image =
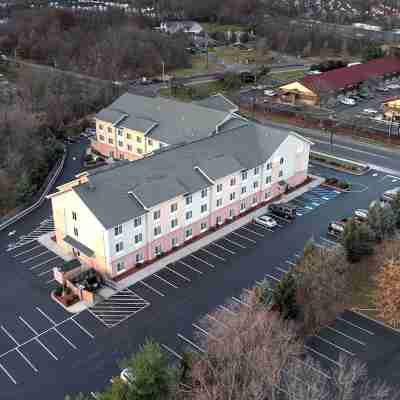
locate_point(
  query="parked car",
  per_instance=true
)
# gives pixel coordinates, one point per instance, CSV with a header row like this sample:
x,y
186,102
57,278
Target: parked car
x,y
393,86
378,117
270,93
382,89
127,376
390,195
348,101
370,111
266,221
361,213
283,210
336,228
314,72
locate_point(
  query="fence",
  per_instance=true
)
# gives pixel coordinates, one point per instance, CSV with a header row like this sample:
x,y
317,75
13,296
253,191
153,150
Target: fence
x,y
52,177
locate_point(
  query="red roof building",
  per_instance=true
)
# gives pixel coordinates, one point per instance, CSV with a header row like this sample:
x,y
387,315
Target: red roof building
x,y
347,77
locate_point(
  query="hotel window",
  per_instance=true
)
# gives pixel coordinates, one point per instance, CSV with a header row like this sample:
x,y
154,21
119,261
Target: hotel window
x,y
150,142
233,181
231,213
117,230
139,257
244,175
203,226
219,187
232,196
110,141
174,207
219,202
255,184
109,130
203,208
203,193
138,238
156,215
137,222
157,250
120,143
129,147
244,189
255,200
256,170
188,233
128,136
281,161
76,231
242,205
269,165
219,220
267,194
268,180
120,132
280,173
188,199
139,139
174,223
101,137
189,215
157,231
120,266
119,247
174,242
74,216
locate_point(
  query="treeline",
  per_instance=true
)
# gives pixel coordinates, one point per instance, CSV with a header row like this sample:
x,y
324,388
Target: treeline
x,y
110,45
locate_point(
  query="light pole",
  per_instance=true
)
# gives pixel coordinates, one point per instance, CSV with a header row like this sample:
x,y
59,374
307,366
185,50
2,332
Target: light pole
x,y
163,70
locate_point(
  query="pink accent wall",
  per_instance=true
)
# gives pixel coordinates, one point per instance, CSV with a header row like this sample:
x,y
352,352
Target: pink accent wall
x,y
104,149
297,178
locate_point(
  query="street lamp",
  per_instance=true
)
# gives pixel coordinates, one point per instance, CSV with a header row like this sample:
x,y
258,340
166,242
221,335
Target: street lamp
x,y
163,70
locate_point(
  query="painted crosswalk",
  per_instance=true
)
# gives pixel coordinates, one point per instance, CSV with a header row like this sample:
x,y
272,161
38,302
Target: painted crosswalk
x,y
118,308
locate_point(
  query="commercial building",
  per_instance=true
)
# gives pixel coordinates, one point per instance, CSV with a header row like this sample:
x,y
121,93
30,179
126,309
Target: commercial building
x,y
114,219
314,89
134,126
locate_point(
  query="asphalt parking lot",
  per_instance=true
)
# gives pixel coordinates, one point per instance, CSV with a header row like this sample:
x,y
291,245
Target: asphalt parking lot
x,y
167,305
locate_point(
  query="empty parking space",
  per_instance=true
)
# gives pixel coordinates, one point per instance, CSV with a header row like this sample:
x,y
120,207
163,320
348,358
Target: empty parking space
x,y
37,339
118,308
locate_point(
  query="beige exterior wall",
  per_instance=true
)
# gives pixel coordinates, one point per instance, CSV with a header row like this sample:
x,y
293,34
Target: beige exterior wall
x,y
124,140
298,87
90,231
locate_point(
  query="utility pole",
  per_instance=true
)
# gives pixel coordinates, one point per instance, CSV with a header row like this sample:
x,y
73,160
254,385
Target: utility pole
x,y
163,70
206,51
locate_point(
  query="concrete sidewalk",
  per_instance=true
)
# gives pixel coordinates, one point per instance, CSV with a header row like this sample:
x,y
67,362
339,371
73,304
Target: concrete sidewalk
x,y
211,237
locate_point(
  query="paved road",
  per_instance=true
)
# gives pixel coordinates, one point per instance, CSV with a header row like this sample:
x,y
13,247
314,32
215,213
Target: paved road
x,y
47,353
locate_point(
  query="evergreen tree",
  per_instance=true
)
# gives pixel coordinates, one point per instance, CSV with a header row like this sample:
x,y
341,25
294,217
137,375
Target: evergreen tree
x,y
396,209
357,240
382,221
263,293
284,296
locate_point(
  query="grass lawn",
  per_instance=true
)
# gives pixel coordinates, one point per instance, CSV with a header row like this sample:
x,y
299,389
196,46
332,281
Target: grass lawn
x,y
287,75
234,55
194,92
213,27
199,66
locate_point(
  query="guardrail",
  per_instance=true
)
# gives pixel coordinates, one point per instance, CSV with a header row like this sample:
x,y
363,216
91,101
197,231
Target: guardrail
x,y
42,197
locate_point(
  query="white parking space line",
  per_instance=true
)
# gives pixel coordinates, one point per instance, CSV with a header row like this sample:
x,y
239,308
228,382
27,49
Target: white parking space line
x,y
213,254
8,374
151,288
201,260
268,288
234,243
350,353
165,281
216,320
355,326
280,218
200,329
50,281
329,241
178,274
273,277
46,316
251,231
82,328
290,263
194,345
190,267
27,251
285,271
228,310
9,335
26,359
323,356
240,301
173,352
346,336
313,368
223,248
375,320
243,237
36,256
45,272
